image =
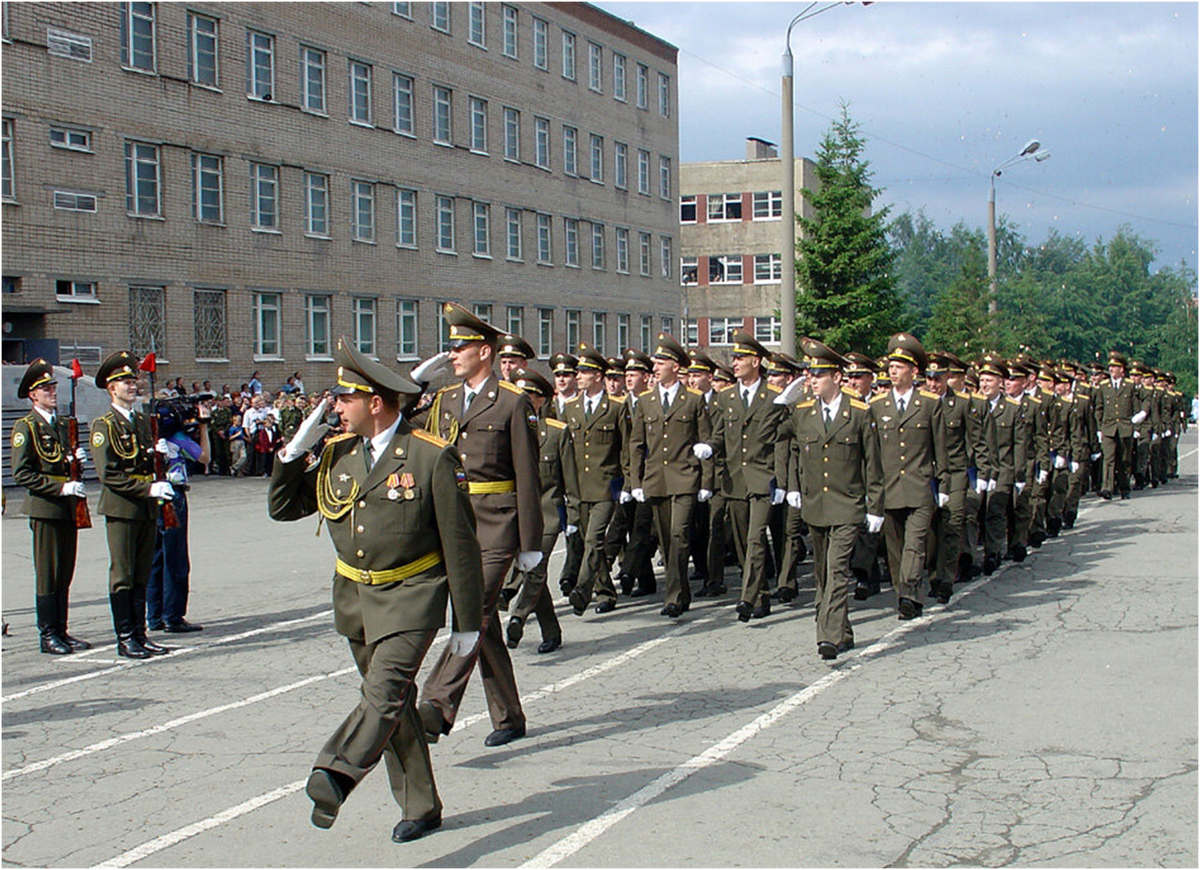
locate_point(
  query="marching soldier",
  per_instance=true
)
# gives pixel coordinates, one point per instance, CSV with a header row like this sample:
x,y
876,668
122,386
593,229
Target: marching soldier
x,y
41,461
123,450
617,535
1032,431
1004,465
1143,432
1079,391
964,381
709,518
786,524
637,567
396,501
1061,512
514,353
562,367
858,376
1053,420
1096,376
1118,409
1178,425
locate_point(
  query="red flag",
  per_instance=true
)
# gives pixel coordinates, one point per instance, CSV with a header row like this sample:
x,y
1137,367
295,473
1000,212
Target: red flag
x,y
148,364
76,370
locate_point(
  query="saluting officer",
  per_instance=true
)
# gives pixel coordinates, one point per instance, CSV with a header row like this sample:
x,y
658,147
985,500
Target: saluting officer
x,y
1118,409
400,519
123,450
41,461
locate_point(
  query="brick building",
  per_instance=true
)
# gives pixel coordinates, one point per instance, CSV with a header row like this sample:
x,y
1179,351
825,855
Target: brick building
x,y
730,240
238,184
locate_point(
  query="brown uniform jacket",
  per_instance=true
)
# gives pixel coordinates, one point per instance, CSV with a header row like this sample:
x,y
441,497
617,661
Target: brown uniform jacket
x,y
1006,451
557,470
41,461
599,445
912,448
836,472
124,457
1114,408
751,456
963,431
661,459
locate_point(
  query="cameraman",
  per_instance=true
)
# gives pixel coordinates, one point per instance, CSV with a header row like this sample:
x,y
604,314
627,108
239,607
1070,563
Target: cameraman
x,y
167,589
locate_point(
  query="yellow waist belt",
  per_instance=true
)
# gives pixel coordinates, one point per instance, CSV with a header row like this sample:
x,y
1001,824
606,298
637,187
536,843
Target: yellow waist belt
x,y
144,478
486,487
58,478
389,575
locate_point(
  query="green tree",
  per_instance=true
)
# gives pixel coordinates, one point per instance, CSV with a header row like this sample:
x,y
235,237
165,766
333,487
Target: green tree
x,y
847,294
959,319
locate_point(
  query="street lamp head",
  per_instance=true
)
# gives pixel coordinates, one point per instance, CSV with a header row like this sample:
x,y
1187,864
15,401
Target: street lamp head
x,y
1043,155
1030,146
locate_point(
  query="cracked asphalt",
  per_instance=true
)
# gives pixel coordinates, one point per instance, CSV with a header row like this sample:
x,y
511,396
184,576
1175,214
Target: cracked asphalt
x,y
1046,716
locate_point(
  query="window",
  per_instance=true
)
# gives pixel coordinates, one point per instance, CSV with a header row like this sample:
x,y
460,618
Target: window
x,y
406,218
208,315
482,310
360,92
476,25
364,324
623,250
362,217
312,79
725,269
439,16
6,158
510,31
260,65
264,196
643,172
404,10
403,88
572,329
767,330
622,333
643,86
647,332
571,239
483,231
478,125
599,328
619,77
598,246
768,205
512,217
644,254
445,224
768,269
317,340
668,324
545,251
147,320
71,139
687,209
141,179
87,354
664,95
443,329
406,328
595,67
570,151
202,49
514,318
665,257
137,36
664,177
441,115
597,173
60,43
545,331
621,165
568,55
267,325
540,39
721,329
541,129
69,200
693,331
512,134
68,290
207,188
724,207
316,204
689,271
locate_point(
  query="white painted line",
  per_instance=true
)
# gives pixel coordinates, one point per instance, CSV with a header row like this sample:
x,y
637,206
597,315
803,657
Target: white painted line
x,y
79,660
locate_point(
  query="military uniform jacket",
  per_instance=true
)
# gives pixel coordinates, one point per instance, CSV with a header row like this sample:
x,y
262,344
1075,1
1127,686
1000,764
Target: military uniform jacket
x,y
599,445
1006,449
837,472
124,457
496,441
1086,403
963,431
557,470
41,462
750,454
1033,429
660,443
375,530
912,448
1075,414
1114,408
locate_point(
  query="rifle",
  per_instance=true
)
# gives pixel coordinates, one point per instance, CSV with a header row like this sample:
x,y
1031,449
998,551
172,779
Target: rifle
x,y
169,517
83,518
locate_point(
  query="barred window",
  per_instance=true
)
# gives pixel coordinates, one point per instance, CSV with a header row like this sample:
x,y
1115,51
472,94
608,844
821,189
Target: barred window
x,y
147,320
208,312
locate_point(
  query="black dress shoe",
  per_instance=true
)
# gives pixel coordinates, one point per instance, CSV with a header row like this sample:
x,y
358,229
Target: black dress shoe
x,y
578,601
1019,553
504,735
625,582
74,642
845,646
326,794
514,632
672,610
862,590
744,610
131,649
1036,538
711,590
51,643
827,650
641,591
762,610
1124,496
153,648
909,609
990,564
944,591
1106,494
182,627
566,586
606,607
1053,526
1068,521
787,594
414,829
549,645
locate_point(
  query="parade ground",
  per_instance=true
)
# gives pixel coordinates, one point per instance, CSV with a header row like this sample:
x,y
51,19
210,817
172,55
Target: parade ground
x,y
1046,716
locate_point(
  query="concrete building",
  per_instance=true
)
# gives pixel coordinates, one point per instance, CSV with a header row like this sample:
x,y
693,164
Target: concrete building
x,y
729,230
235,185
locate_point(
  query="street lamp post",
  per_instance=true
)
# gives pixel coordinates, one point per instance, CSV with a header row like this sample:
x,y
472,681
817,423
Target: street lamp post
x,y
787,156
1030,151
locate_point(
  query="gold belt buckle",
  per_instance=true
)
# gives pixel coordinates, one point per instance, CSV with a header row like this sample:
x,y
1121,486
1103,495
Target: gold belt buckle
x,y
364,575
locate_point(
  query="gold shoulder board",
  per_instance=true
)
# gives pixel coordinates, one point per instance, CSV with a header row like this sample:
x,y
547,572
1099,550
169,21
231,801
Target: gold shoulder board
x,y
645,393
430,437
694,391
858,403
557,424
1013,401
962,395
807,404
511,387
620,399
929,395
878,398
773,388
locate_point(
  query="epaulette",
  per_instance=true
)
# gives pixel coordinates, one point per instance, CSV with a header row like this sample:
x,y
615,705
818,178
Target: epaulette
x,y
962,395
851,393
574,398
858,403
1013,401
695,392
430,437
1036,400
928,395
1066,399
979,396
808,404
557,424
774,389
620,399
645,392
511,387
878,398
340,437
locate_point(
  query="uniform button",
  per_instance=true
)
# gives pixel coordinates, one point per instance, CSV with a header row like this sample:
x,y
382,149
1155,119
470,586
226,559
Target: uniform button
x,y
901,470
360,530
465,434
826,458
825,489
464,456
901,443
827,474
362,504
361,554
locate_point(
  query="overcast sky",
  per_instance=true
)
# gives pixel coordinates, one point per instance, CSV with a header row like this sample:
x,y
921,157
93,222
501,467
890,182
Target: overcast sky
x,y
946,91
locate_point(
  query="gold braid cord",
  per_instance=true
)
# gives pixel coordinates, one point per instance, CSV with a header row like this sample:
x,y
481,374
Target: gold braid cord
x,y
51,458
331,506
433,421
115,440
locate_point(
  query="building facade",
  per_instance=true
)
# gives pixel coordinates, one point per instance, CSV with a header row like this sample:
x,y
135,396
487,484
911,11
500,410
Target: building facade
x,y
236,185
730,240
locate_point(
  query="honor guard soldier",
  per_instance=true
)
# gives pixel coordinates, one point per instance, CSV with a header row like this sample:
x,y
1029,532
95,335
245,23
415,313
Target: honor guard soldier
x,y
1054,424
514,353
1118,409
123,450
1003,468
670,463
963,381
709,518
858,376
618,527
1176,421
562,367
636,576
836,481
751,464
494,428
1096,375
395,499
787,526
41,462
910,426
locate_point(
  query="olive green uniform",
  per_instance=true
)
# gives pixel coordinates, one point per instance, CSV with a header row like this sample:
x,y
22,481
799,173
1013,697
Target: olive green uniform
x,y
1006,467
1114,409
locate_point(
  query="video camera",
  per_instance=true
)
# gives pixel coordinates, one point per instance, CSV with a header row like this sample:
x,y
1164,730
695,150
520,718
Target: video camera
x,y
181,413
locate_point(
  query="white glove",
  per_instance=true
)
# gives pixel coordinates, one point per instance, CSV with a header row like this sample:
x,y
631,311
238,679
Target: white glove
x,y
162,489
1095,456
161,446
1043,476
462,642
1074,467
639,494
570,530
981,485
176,475
73,487
1060,462
991,485
701,450
625,497
1137,434
81,454
704,495
874,524
1153,436
432,367
943,499
1018,486
1138,417
1099,437
1166,434
777,496
527,560
793,499
309,433
791,393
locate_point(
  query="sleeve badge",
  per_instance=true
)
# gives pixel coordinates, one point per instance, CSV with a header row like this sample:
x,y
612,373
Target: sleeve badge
x,y
97,438
460,477
18,439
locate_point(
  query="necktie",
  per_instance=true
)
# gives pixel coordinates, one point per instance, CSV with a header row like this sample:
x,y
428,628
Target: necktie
x,y
367,457
53,420
746,398
828,419
587,408
666,401
468,396
900,406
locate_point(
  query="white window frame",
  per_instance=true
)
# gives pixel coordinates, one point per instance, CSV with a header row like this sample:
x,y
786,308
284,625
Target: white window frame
x,y
721,330
406,214
568,55
545,332
622,333
207,166
365,310
545,239
71,139
444,226
362,222
479,144
599,255
596,161
217,351
622,250
647,330
666,257
360,74
439,16
767,205
195,51
513,244
595,67
75,200
477,25
727,267
264,187
8,188
253,53
402,104
443,96
619,64
643,86
265,302
685,201
318,306
571,151
664,176
664,95
768,269
571,242
689,266
723,203
644,254
765,324
313,88
311,206
693,331
541,139
514,319
134,158
511,28
599,330
572,318
407,329
63,43
481,213
79,291
144,12
620,165
404,10
512,134
643,171
541,43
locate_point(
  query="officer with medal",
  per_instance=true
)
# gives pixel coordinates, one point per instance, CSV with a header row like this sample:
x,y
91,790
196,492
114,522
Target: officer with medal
x,y
395,499
123,450
41,460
